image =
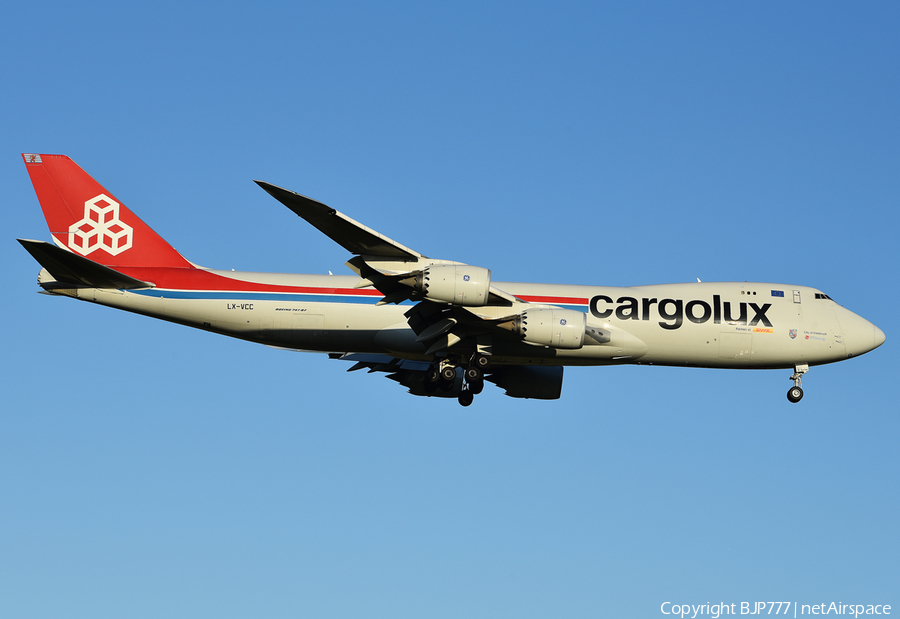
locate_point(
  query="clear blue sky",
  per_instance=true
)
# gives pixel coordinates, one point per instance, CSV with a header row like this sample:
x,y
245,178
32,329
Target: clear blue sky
x,y
148,470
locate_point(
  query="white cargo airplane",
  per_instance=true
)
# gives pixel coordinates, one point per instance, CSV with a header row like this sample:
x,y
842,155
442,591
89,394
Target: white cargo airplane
x,y
438,327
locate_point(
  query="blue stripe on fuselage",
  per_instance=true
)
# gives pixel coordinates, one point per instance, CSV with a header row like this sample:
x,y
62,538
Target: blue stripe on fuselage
x,y
292,297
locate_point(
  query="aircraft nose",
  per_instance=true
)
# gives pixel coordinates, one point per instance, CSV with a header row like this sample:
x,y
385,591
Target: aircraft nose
x,y
879,336
860,335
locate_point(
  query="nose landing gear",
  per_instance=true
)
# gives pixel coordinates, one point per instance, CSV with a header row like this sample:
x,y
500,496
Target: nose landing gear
x,y
795,393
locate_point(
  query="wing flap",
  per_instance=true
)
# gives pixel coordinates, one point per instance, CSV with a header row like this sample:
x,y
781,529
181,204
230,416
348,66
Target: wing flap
x,y
410,374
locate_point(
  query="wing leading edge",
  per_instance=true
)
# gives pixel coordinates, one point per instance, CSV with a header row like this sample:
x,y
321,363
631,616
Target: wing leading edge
x,y
346,232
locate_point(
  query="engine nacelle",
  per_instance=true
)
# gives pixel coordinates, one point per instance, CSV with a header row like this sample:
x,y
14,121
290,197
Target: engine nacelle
x,y
559,328
460,284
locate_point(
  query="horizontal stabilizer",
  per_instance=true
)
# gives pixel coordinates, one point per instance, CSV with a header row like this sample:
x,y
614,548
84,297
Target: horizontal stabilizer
x,y
70,268
349,234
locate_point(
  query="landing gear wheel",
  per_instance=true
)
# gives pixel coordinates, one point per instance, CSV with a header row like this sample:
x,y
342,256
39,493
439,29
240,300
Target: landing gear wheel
x,y
448,378
482,362
795,394
432,380
476,387
448,374
466,397
474,374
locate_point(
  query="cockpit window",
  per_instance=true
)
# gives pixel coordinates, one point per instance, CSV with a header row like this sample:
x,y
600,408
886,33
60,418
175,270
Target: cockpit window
x,y
819,295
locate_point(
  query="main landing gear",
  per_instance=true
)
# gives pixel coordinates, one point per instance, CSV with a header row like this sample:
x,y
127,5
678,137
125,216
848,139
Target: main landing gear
x,y
795,393
442,375
474,378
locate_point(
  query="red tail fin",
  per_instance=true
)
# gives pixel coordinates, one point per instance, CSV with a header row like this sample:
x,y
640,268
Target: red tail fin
x,y
87,219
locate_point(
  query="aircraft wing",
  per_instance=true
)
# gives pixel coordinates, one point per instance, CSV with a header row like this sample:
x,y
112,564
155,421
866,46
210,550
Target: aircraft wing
x,y
383,263
456,305
349,234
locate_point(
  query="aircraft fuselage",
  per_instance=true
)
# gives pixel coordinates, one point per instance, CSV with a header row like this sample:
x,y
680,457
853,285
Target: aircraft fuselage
x,y
438,327
715,324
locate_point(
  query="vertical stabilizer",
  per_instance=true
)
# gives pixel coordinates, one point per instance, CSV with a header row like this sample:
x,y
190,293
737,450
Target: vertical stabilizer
x,y
88,220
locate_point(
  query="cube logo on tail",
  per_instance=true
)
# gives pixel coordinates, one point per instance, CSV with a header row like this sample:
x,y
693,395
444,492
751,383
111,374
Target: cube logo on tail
x,y
100,228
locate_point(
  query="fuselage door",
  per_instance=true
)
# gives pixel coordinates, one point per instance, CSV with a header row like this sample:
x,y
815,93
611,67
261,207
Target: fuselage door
x,y
796,296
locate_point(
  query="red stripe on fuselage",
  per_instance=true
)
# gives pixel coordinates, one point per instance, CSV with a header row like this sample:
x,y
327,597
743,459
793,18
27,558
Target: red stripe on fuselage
x,y
553,300
198,279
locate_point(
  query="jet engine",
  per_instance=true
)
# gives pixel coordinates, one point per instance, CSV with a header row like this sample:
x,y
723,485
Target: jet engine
x,y
453,283
560,328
